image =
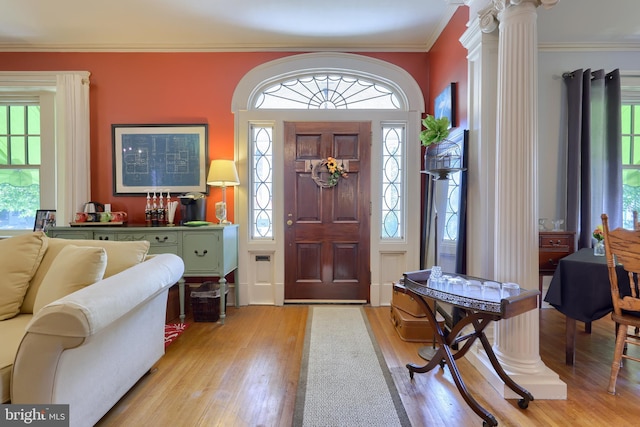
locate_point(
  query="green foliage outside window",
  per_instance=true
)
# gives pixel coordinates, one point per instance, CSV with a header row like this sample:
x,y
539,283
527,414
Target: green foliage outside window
x,y
630,162
20,152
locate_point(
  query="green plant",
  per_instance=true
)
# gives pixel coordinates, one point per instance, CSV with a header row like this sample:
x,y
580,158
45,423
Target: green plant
x,y
437,130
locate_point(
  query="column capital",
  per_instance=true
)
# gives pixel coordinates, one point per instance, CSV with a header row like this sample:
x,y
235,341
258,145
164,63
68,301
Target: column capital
x,y
489,16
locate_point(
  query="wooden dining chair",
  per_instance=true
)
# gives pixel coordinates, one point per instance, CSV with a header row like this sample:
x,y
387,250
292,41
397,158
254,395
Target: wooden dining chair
x,y
622,247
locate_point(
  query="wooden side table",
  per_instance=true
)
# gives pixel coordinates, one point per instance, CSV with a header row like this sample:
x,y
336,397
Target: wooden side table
x,y
552,246
480,308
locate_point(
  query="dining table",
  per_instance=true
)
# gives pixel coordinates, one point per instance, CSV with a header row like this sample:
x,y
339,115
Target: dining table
x,y
581,291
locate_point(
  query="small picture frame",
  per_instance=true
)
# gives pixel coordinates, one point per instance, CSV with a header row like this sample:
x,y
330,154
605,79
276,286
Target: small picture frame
x,y
45,219
445,104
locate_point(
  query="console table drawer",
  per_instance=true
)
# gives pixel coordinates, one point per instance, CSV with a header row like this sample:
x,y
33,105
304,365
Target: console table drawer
x,y
548,261
159,238
562,242
70,234
552,246
104,236
201,254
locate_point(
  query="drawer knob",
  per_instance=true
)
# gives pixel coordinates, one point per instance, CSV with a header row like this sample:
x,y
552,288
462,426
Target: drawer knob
x,y
555,264
200,254
159,240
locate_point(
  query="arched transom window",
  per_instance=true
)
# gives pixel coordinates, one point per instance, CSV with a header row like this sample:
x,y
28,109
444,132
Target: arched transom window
x,y
327,91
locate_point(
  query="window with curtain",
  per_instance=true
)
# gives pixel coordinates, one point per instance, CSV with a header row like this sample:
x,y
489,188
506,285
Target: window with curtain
x,y
62,99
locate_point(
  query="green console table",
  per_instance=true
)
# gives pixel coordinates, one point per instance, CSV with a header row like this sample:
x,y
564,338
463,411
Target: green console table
x,y
207,251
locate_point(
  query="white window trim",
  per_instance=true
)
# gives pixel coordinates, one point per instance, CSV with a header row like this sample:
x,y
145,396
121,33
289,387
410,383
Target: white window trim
x,y
69,90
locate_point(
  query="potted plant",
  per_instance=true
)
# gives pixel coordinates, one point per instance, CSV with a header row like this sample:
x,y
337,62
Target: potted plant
x,y
441,156
436,130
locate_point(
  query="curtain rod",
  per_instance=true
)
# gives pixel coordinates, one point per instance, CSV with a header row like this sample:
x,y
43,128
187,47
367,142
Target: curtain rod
x,y
568,74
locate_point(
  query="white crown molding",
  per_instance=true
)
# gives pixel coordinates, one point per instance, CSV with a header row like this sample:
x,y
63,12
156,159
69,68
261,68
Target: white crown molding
x,y
221,48
589,47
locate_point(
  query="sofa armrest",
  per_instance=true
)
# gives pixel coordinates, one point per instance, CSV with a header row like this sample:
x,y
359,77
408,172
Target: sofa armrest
x,y
87,311
113,328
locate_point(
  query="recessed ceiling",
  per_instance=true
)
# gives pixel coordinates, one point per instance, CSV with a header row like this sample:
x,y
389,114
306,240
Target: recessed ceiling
x,y
236,25
290,25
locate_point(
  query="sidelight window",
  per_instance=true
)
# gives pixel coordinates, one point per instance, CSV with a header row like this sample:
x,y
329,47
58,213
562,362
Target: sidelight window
x,y
262,181
393,137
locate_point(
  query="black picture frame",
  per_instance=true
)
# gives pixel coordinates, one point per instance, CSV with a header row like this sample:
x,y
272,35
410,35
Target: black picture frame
x,y
445,104
45,219
159,157
429,252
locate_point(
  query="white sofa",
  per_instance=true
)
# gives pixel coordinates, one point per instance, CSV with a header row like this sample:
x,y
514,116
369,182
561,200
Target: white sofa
x,y
88,348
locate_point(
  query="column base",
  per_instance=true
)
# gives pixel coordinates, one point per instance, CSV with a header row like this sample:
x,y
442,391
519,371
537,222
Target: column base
x,y
544,385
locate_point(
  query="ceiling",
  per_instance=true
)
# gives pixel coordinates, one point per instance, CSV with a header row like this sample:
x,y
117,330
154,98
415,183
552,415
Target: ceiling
x,y
282,25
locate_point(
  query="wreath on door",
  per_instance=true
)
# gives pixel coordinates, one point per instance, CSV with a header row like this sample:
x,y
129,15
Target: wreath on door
x,y
327,172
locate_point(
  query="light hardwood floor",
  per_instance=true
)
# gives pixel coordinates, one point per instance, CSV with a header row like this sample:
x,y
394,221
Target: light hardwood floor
x,y
245,373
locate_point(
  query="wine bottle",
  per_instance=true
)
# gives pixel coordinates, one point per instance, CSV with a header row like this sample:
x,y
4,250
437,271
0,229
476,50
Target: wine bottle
x,y
147,210
154,210
161,211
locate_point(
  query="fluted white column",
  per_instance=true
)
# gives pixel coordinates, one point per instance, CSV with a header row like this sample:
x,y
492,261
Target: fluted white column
x,y
516,258
516,207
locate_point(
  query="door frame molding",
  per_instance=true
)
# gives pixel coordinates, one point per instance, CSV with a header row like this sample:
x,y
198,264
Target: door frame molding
x,y
260,278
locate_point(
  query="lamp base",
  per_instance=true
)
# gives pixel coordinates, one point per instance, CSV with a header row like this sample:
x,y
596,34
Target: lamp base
x,y
221,211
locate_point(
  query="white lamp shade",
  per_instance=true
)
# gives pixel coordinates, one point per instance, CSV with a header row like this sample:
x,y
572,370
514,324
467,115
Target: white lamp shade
x,y
222,173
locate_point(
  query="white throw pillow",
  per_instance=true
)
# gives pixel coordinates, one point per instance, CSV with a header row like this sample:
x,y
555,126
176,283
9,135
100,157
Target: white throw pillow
x,y
120,256
20,257
74,268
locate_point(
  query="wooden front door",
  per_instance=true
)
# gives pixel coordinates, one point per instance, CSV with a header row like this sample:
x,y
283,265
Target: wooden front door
x,y
327,229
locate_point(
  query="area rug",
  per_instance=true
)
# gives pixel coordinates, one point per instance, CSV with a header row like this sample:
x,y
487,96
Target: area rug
x,y
172,332
344,380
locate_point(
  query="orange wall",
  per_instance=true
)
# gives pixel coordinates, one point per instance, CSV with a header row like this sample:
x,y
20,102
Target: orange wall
x,y
448,64
145,88
448,59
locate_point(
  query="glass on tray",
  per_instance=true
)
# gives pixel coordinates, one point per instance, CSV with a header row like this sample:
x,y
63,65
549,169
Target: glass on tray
x,y
488,290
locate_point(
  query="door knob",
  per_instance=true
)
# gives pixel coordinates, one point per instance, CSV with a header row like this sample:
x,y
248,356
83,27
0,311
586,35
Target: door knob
x,y
289,222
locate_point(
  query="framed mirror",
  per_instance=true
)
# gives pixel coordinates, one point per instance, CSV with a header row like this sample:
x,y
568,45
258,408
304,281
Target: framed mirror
x,y
444,214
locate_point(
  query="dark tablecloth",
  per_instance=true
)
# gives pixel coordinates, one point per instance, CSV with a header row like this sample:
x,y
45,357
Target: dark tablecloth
x,y
580,286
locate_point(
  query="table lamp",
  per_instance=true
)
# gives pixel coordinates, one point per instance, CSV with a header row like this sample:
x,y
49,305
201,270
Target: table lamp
x,y
222,173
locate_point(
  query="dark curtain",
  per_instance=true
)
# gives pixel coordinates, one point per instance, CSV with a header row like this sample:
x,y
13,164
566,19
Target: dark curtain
x,y
594,152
